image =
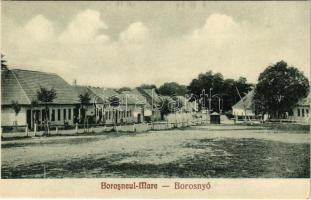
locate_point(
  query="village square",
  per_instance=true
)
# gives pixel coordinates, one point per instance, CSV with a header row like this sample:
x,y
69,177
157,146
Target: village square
x,y
79,102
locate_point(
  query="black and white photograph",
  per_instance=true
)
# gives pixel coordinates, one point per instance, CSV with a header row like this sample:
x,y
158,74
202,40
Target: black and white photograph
x,y
135,89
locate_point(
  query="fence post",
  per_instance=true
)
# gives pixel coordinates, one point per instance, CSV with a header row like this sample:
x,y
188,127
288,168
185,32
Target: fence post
x,y
76,127
26,130
56,130
134,129
35,128
44,171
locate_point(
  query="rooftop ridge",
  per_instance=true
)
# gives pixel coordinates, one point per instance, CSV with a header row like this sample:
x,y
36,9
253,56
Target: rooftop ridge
x,y
16,69
20,85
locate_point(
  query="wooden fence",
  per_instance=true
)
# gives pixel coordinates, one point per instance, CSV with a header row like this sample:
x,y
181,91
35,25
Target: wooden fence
x,y
95,128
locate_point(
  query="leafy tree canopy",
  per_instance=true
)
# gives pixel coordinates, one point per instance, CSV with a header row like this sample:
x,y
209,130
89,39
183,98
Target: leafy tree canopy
x,y
114,101
85,98
279,88
148,86
172,89
223,88
122,89
3,62
45,95
16,107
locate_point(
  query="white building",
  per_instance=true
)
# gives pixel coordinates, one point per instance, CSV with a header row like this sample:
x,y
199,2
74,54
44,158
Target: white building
x,y
21,86
300,112
245,106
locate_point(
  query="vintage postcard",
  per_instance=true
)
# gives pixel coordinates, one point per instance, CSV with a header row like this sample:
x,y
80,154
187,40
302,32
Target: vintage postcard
x,y
168,99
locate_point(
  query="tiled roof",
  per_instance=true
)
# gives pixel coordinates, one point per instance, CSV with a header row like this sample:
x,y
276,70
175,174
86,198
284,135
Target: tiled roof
x,y
246,101
31,81
134,98
106,93
84,89
11,90
148,94
103,92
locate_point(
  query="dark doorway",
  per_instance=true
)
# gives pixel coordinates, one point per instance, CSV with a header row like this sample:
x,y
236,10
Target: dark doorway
x,y
28,119
116,116
138,118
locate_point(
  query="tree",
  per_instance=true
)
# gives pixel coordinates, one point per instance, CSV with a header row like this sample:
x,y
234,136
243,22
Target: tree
x,y
122,89
17,108
46,96
278,89
178,103
230,95
215,87
172,89
148,86
4,65
84,101
165,108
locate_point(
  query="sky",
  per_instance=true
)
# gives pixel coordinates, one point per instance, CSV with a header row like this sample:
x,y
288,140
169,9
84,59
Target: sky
x,y
116,44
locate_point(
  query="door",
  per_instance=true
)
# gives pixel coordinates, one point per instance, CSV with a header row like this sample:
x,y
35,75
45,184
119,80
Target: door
x,y
116,116
28,119
138,118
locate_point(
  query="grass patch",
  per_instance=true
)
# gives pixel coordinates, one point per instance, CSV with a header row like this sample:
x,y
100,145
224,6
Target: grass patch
x,y
228,158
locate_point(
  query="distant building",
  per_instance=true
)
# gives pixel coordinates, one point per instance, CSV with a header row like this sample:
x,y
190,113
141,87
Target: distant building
x,y
22,86
100,110
186,105
153,99
299,113
244,107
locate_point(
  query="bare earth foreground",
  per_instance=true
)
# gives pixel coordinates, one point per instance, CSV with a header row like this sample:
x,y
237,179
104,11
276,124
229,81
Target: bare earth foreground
x,y
202,151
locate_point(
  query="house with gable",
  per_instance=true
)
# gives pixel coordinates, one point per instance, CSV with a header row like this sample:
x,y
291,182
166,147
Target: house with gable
x,y
299,113
153,99
21,86
244,107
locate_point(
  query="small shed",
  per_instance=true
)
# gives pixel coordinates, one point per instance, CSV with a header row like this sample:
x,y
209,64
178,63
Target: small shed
x,y
215,118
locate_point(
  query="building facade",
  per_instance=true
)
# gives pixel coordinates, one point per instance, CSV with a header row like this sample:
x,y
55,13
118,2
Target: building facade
x,y
21,86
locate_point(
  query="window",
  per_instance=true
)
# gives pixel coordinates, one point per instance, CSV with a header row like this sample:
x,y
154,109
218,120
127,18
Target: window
x,y
298,112
58,114
303,112
307,112
69,113
65,114
43,115
53,115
